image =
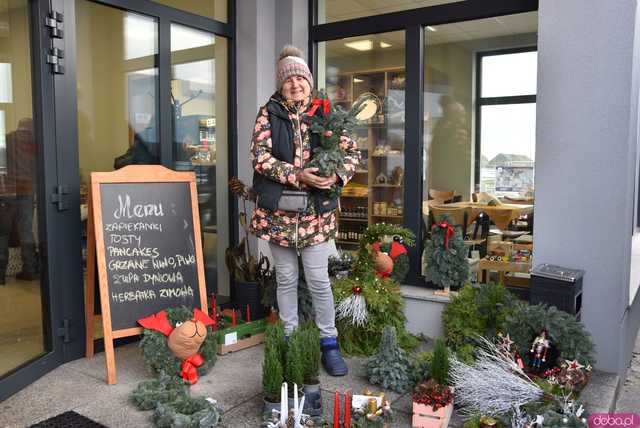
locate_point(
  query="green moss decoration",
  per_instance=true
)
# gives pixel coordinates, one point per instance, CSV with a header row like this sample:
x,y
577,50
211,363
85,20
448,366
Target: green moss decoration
x,y
150,393
569,336
446,262
157,355
440,363
272,370
188,412
390,367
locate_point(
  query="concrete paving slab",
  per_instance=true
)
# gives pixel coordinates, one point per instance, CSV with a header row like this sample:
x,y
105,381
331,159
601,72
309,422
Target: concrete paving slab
x,y
58,391
234,378
130,367
113,409
245,415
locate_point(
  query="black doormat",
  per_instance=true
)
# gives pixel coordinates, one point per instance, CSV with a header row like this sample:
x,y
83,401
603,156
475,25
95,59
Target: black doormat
x,y
68,420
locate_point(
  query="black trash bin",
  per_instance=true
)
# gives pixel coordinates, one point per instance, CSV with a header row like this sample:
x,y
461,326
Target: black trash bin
x,y
557,286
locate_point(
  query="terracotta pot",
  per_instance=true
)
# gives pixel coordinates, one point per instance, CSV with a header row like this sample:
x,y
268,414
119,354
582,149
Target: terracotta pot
x,y
425,417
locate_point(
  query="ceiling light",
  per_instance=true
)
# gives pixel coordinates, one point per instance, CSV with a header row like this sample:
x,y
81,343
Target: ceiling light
x,y
356,80
385,45
360,45
430,28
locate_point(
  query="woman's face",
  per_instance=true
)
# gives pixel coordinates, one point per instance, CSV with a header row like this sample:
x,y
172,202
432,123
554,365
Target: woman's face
x,y
296,88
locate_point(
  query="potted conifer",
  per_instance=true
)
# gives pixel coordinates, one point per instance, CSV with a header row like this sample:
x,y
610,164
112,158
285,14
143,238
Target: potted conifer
x,y
433,398
272,370
311,361
294,364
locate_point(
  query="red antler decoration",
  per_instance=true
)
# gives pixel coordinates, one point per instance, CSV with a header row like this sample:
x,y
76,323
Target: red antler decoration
x,y
205,319
158,322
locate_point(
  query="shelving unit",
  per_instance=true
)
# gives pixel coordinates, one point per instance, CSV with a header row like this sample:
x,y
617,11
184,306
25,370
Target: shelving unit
x,y
381,141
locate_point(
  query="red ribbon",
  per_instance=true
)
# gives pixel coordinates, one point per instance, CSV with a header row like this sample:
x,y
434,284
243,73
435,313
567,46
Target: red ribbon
x,y
316,103
188,369
449,231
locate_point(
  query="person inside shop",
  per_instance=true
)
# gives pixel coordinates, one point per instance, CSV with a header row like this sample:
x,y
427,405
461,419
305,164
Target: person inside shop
x,y
17,191
303,220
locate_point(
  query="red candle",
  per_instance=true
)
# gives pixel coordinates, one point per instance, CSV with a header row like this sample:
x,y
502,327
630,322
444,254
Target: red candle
x,y
336,411
233,318
347,410
214,311
248,314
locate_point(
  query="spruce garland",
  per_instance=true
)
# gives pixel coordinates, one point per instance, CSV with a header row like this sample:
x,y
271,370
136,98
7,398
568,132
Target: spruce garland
x,y
150,393
390,368
158,356
188,412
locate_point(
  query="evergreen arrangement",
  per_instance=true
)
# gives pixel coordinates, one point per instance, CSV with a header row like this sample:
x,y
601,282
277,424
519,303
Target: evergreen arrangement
x,y
334,123
294,366
150,393
188,412
440,363
311,352
272,371
446,256
384,304
157,355
567,334
390,368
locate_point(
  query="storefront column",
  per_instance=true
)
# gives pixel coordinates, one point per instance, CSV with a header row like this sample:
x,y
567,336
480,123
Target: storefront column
x,y
586,160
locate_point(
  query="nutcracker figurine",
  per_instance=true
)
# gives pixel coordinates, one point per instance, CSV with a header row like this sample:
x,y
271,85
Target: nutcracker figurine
x,y
539,349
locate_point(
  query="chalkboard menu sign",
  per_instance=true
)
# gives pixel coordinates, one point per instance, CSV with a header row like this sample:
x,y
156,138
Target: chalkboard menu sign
x,y
144,231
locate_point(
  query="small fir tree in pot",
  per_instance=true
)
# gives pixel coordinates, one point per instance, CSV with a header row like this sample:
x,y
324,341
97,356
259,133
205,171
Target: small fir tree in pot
x,y
440,363
272,370
446,256
311,360
294,366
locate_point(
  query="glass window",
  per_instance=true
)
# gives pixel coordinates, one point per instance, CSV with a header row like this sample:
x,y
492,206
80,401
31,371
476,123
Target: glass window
x,y
199,96
479,142
213,9
509,74
347,69
23,336
341,10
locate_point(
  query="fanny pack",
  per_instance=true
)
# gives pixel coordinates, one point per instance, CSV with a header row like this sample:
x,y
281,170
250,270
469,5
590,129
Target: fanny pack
x,y
293,201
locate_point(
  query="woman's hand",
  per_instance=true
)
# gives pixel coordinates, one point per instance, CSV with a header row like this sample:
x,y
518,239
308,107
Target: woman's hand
x,y
308,177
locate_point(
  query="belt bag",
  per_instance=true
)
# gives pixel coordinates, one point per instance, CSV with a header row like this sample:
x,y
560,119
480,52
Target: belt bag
x,y
293,201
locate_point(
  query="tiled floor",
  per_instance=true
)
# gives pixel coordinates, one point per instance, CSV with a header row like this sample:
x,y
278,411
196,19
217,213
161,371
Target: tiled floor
x,y
235,381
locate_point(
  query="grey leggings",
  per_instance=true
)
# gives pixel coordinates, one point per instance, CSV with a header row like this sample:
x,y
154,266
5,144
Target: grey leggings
x,y
315,262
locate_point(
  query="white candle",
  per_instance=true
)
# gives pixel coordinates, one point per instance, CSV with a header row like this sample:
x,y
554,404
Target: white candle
x,y
299,414
283,403
295,398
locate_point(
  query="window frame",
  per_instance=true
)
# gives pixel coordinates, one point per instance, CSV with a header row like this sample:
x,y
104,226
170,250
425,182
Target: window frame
x,y
481,101
413,22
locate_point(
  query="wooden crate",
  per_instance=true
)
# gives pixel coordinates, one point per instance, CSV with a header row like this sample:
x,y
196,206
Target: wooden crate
x,y
425,417
248,333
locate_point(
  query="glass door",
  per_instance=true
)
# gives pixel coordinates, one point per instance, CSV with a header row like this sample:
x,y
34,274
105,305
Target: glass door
x,y
37,331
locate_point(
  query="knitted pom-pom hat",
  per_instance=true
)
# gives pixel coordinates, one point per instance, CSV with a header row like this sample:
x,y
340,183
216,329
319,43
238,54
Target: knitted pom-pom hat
x,y
291,63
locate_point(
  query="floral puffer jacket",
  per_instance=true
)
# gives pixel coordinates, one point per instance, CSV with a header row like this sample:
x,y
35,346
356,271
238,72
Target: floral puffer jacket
x,y
285,228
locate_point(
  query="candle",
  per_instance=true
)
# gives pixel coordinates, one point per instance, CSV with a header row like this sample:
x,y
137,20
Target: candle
x,y
336,411
233,318
295,398
347,410
283,403
248,314
214,311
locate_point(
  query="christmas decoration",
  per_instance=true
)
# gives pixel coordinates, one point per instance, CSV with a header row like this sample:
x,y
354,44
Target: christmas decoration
x,y
524,322
372,414
390,368
381,297
332,126
446,256
150,393
190,349
188,412
391,259
494,385
475,311
539,350
432,394
353,308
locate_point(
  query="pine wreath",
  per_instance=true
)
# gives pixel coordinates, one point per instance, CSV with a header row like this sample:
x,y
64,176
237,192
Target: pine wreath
x,y
568,335
188,412
159,358
150,393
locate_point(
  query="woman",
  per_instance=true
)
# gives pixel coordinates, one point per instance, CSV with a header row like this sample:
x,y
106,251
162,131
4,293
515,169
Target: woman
x,y
281,146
